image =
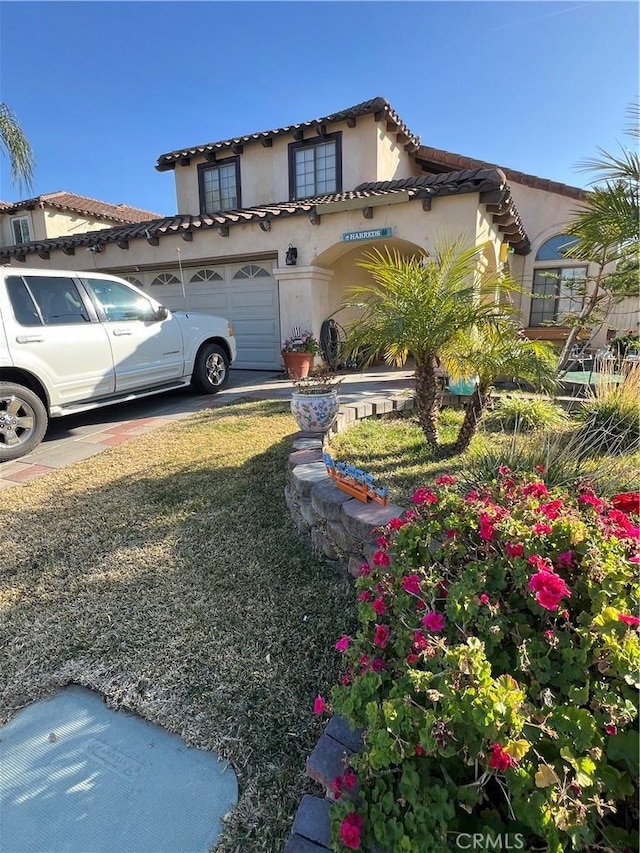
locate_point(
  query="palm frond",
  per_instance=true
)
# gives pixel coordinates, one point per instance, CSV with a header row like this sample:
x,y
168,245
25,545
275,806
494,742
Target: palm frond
x,y
15,144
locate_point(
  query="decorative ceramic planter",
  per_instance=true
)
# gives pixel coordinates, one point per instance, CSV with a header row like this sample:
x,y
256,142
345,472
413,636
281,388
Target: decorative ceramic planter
x,y
462,387
297,364
315,412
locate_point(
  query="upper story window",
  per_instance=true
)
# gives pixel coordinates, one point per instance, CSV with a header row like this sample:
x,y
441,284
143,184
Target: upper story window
x,y
558,283
219,185
315,166
20,227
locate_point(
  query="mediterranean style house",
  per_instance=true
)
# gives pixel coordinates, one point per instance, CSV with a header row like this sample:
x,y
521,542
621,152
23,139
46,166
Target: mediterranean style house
x,y
61,214
270,227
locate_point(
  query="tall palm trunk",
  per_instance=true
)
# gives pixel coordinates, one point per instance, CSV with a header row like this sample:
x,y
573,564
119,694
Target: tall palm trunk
x,y
472,415
426,400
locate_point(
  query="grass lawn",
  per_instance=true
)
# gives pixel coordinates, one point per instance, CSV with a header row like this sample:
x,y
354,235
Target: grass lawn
x,y
167,574
394,450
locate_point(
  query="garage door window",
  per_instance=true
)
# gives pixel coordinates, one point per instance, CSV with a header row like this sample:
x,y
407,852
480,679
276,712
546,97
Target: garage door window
x,y
252,271
206,275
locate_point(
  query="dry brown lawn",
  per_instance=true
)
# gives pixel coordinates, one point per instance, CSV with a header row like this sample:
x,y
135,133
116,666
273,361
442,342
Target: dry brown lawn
x,y
166,574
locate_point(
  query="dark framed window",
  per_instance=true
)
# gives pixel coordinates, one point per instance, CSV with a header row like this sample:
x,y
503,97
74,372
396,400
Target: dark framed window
x,y
219,185
54,301
558,286
315,166
20,225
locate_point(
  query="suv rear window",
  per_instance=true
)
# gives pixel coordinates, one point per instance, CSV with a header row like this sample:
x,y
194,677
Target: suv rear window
x,y
54,300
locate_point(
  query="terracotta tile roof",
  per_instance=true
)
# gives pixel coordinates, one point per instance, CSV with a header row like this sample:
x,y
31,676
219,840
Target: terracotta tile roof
x,y
435,159
490,182
376,106
81,204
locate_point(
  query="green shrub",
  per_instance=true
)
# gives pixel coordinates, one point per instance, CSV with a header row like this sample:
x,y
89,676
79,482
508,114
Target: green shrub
x,y
611,414
495,674
527,413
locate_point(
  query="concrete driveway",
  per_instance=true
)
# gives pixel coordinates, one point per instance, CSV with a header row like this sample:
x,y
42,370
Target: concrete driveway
x,y
77,437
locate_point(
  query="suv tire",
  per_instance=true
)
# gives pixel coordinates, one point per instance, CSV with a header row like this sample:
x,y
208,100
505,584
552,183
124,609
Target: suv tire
x,y
23,421
211,369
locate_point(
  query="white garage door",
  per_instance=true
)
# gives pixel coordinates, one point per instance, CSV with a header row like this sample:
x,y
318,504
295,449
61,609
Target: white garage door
x,y
246,294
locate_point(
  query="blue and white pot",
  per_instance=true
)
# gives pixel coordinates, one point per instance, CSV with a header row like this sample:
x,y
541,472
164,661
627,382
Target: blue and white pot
x,y
463,387
315,412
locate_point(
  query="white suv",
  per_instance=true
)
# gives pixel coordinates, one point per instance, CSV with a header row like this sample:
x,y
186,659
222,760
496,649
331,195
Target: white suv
x,y
71,341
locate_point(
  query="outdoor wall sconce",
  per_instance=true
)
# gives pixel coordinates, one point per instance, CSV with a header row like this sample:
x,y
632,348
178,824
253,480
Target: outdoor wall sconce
x,y
291,258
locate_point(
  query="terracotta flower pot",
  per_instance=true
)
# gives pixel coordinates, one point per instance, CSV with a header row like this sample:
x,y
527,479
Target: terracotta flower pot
x,y
297,364
315,412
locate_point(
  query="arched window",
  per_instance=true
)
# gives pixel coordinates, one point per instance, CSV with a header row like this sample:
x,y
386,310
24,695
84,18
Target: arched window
x,y
252,271
165,278
206,275
558,283
133,280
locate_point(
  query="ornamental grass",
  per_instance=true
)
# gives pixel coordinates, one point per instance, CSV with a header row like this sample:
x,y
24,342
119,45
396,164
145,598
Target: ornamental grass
x,y
495,674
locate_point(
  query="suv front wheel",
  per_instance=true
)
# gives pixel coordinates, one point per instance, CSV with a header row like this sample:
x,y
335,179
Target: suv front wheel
x,y
211,369
23,421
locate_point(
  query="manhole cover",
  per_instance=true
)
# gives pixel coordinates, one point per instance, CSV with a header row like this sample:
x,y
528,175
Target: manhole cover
x,y
77,776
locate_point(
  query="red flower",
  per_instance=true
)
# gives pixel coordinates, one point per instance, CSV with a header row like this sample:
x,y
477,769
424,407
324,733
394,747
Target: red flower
x,y
514,549
446,480
419,749
541,529
381,636
351,830
343,643
381,559
503,470
484,598
500,760
565,559
411,584
549,589
411,658
378,664
610,729
627,502
592,500
486,527
382,542
397,523
349,779
542,563
537,490
433,621
336,787
379,606
451,534
365,595
365,570
424,496
628,620
319,705
551,510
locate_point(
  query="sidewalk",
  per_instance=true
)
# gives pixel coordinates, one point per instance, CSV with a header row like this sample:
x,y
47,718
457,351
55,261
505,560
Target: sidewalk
x,y
77,437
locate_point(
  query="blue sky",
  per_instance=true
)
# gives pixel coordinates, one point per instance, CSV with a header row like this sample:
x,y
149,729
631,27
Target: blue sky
x,y
102,89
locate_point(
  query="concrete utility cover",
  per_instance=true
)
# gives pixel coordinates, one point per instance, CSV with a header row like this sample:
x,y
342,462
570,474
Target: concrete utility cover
x,y
77,776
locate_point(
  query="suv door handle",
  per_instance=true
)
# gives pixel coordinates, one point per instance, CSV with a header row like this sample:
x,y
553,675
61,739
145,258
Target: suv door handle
x,y
29,339
122,331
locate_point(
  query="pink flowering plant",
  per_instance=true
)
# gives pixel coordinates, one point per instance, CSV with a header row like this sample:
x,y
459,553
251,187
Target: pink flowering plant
x,y
495,673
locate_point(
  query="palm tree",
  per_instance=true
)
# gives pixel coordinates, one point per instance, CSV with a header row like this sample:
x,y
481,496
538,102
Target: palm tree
x,y
608,233
416,306
15,144
491,351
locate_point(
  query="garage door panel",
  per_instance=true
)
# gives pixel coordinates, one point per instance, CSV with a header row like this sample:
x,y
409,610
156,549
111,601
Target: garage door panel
x,y
250,304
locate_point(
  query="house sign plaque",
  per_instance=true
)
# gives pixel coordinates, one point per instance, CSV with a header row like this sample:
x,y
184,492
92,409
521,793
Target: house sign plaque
x,y
374,234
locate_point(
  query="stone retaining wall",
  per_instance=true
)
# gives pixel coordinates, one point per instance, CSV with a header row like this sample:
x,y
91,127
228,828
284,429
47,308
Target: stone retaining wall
x,y
339,526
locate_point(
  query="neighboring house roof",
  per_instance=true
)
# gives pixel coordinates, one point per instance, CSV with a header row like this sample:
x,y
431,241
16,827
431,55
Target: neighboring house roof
x,y
379,106
437,160
73,203
490,183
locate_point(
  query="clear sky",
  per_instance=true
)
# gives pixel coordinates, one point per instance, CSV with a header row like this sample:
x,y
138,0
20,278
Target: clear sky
x,y
102,89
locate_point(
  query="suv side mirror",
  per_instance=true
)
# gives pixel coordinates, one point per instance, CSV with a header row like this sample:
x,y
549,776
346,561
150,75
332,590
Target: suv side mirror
x,y
162,313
